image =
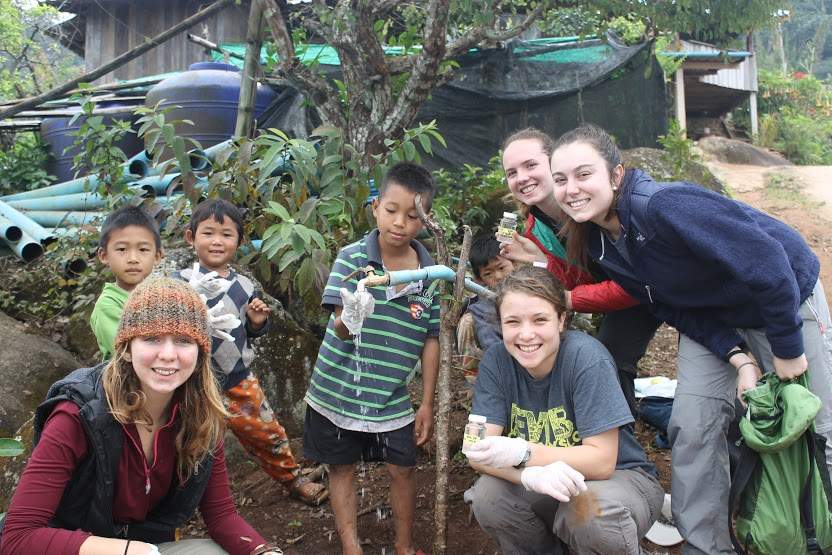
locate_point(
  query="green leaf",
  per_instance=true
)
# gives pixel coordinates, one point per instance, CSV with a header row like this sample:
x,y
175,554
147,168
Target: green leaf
x,y
288,258
305,277
409,151
11,447
278,210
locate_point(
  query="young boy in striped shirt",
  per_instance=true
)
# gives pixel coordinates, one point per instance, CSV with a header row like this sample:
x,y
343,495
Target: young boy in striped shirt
x,y
359,408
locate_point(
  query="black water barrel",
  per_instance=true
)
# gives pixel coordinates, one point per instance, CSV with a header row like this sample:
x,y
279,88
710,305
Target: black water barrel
x,y
55,131
208,95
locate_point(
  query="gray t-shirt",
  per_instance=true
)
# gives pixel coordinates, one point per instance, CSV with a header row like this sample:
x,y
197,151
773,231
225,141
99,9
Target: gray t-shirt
x,y
580,398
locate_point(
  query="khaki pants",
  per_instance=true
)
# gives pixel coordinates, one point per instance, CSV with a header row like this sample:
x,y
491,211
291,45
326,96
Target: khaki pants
x,y
608,519
702,410
191,547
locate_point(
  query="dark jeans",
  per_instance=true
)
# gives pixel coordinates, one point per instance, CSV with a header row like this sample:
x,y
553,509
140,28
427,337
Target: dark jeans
x,y
626,334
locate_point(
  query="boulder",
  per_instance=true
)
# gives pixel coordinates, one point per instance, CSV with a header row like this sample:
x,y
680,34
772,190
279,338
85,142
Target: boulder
x,y
29,364
720,149
650,160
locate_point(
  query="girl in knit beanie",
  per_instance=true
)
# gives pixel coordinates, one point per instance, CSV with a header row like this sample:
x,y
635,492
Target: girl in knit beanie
x,y
127,451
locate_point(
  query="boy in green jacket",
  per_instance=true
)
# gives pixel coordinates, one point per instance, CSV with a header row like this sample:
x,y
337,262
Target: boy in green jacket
x,y
130,245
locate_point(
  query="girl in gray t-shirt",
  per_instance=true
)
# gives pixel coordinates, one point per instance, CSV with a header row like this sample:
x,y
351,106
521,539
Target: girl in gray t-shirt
x,y
560,463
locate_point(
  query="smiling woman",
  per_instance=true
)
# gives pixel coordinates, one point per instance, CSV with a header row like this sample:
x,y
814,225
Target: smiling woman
x,y
127,451
568,449
627,327
741,287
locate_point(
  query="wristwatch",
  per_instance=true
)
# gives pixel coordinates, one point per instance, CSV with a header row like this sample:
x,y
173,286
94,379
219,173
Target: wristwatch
x,y
526,456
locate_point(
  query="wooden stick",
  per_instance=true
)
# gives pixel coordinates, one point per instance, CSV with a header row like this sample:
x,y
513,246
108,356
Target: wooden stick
x,y
207,44
248,87
117,62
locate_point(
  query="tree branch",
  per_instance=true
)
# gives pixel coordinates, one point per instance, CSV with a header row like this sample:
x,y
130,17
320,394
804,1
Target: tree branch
x,y
296,72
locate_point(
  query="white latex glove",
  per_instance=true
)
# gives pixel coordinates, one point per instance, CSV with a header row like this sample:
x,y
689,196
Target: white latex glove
x,y
356,308
497,451
558,480
221,323
209,284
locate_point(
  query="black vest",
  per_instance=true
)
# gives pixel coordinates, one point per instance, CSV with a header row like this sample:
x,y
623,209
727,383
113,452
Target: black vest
x,y
87,503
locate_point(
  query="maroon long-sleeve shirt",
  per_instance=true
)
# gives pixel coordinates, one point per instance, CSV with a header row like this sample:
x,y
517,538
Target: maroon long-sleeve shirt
x,y
64,444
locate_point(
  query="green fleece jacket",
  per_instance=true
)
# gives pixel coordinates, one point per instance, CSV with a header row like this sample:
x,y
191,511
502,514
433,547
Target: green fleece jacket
x,y
105,316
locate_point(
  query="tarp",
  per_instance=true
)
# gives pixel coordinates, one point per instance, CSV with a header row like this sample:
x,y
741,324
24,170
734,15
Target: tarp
x,y
552,84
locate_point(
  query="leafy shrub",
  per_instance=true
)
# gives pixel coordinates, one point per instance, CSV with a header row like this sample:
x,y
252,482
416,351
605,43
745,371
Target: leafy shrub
x,y
795,116
678,152
463,197
23,167
304,199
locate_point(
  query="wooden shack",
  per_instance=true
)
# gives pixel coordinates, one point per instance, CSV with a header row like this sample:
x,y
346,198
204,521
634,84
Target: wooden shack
x,y
101,30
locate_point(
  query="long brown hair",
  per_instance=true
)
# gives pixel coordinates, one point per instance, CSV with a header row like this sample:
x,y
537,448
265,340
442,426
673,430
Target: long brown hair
x,y
547,145
577,234
202,413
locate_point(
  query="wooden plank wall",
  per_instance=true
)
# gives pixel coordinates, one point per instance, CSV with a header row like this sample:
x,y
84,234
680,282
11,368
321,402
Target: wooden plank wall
x,y
113,28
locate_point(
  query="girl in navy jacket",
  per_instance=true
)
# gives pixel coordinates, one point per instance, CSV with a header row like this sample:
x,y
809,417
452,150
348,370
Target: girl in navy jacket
x,y
740,286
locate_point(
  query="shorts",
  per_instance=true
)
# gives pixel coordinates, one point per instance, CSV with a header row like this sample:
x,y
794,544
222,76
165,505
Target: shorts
x,y
326,443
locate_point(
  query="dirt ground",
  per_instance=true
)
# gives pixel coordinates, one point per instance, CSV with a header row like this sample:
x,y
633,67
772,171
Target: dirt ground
x,y
799,196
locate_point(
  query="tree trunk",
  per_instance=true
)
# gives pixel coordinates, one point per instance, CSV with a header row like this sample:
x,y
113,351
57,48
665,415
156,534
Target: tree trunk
x,y
450,312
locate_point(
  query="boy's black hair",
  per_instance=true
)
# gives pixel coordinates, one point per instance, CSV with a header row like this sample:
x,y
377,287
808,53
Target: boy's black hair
x,y
127,216
412,177
484,249
218,209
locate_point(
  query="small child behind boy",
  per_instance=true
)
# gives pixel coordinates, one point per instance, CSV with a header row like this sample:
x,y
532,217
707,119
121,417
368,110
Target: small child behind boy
x,y
359,407
130,245
479,328
216,232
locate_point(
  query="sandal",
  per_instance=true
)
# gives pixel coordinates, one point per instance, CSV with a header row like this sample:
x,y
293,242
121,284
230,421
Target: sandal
x,y
304,489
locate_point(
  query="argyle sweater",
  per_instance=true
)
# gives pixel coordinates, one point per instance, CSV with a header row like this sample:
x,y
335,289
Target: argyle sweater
x,y
232,359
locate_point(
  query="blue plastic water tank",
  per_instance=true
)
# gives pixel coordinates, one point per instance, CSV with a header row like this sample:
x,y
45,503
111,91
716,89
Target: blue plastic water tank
x,y
208,94
55,131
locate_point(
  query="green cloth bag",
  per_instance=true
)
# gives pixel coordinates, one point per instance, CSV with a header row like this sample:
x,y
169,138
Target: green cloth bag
x,y
782,481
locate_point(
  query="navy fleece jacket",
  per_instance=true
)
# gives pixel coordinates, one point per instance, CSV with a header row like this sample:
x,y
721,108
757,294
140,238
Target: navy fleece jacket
x,y
706,264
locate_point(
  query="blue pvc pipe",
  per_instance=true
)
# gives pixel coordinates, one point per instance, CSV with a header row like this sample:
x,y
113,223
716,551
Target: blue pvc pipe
x,y
401,277
144,156
27,248
212,152
160,184
80,185
10,232
26,224
57,218
78,201
197,161
135,168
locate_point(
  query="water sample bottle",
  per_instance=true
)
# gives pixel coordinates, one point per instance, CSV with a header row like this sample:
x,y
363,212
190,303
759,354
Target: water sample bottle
x,y
474,431
508,225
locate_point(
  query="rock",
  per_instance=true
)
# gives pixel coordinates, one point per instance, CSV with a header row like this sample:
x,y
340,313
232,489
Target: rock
x,y
29,364
27,361
730,151
79,338
650,160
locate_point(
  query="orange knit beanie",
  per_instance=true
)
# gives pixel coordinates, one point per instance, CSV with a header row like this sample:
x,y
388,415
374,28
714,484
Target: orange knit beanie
x,y
160,306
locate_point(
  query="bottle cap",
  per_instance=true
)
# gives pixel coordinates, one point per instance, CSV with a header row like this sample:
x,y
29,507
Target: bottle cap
x,y
511,215
476,418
